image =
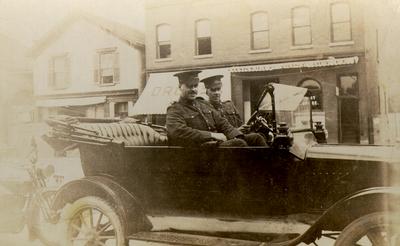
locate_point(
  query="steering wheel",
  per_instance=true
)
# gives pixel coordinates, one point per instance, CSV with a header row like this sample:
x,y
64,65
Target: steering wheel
x,y
259,124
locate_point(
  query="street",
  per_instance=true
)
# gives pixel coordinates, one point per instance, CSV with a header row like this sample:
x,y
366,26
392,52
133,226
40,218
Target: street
x,y
21,239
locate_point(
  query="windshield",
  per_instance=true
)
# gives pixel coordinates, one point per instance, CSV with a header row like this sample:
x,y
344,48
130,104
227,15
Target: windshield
x,y
291,106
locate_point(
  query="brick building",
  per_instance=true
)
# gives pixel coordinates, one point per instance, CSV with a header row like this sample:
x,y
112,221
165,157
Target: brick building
x,y
310,43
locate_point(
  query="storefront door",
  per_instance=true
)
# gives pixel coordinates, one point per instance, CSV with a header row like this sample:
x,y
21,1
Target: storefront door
x,y
256,89
349,123
348,109
252,90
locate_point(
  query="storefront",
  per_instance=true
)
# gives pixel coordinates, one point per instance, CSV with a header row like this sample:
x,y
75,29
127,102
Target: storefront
x,y
336,84
105,106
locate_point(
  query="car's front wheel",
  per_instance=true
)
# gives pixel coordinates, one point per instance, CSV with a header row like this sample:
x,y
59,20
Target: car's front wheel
x,y
378,229
93,221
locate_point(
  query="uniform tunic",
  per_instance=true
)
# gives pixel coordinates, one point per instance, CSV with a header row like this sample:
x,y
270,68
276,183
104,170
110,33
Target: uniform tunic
x,y
192,122
229,111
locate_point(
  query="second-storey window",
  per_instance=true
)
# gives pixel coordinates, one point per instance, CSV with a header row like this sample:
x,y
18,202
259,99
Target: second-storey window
x,y
301,27
203,37
340,22
106,66
163,41
259,31
59,72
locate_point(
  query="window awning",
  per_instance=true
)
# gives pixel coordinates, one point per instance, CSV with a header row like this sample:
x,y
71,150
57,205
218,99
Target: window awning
x,y
162,89
301,64
64,102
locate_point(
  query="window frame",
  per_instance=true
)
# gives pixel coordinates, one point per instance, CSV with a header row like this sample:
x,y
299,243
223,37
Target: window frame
x,y
349,21
126,106
197,53
296,27
267,30
320,94
115,66
158,42
52,72
339,85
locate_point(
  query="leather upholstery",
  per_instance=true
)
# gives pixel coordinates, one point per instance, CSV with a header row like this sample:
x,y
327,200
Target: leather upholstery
x,y
131,134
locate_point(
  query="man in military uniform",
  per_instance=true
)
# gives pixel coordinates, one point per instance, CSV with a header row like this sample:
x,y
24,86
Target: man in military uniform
x,y
193,122
227,110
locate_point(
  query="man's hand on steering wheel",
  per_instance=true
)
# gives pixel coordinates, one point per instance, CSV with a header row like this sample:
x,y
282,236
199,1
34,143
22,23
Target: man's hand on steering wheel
x,y
244,128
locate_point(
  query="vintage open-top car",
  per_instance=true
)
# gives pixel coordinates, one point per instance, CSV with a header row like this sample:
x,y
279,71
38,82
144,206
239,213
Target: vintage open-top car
x,y
134,179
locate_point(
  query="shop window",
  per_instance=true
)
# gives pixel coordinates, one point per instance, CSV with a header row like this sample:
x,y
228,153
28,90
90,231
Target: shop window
x,y
203,37
106,64
99,111
121,109
59,72
76,111
340,22
348,85
301,26
259,31
316,92
163,41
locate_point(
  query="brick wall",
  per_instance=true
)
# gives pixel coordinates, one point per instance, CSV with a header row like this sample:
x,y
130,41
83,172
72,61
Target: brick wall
x,y
231,45
230,31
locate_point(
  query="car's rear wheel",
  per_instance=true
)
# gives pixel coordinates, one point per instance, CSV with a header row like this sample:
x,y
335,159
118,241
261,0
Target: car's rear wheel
x,y
378,229
93,221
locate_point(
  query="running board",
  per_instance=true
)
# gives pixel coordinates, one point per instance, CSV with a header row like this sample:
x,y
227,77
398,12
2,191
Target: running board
x,y
189,239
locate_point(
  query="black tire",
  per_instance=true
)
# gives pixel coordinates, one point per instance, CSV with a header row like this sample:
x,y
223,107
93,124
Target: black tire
x,y
39,227
378,229
92,221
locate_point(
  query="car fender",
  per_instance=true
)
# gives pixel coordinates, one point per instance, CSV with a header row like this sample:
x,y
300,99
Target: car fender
x,y
351,207
360,203
126,204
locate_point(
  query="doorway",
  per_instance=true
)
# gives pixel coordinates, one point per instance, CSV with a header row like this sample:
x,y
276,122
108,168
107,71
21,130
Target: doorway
x,y
348,109
252,90
256,89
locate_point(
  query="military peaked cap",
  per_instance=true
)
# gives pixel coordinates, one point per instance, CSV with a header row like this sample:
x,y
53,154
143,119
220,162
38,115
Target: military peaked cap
x,y
185,76
210,81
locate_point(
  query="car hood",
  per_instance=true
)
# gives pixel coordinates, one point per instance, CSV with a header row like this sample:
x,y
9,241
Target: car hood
x,y
355,152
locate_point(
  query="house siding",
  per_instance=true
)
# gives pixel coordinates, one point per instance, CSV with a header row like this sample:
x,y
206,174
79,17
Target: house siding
x,y
81,42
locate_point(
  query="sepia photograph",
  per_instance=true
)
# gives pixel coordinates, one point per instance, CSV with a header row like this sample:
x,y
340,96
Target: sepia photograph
x,y
199,122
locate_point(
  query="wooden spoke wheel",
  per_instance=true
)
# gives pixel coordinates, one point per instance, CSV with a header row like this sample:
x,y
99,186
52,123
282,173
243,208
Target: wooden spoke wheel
x,y
377,229
93,221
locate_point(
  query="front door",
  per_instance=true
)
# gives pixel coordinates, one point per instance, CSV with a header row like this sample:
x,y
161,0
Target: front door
x,y
349,128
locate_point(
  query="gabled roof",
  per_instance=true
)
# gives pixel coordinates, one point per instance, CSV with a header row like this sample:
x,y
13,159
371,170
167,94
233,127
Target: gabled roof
x,y
125,33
